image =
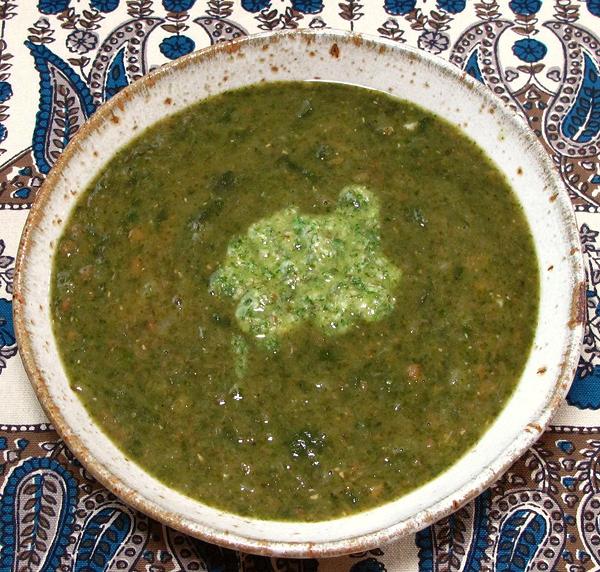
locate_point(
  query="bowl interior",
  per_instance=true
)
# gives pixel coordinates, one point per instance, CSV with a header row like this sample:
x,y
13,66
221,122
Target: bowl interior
x,y
336,57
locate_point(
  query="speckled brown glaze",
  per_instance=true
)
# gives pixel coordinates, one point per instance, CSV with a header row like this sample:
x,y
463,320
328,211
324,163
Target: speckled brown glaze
x,y
336,57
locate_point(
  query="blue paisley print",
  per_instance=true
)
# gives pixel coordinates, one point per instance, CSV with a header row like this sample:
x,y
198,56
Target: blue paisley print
x,y
585,391
116,78
551,521
45,61
104,534
520,536
36,511
438,537
582,123
472,67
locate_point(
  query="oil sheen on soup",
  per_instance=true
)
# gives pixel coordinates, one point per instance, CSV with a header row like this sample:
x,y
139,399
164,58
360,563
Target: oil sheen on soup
x,y
296,301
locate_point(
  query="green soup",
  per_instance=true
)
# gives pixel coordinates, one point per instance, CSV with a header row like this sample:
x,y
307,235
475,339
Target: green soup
x,y
296,301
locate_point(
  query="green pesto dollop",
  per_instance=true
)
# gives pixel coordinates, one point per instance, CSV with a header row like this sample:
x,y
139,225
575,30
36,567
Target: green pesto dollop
x,y
327,270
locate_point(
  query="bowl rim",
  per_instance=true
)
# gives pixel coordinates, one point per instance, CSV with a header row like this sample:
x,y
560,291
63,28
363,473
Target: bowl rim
x,y
302,549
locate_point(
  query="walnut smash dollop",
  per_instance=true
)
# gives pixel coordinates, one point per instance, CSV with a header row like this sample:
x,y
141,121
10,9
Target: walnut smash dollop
x,y
328,270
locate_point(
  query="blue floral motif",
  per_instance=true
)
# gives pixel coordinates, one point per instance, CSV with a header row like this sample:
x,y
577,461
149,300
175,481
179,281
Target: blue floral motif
x,y
529,50
565,446
255,5
105,5
594,7
174,47
5,91
52,6
399,7
22,193
434,42
525,7
3,132
178,5
452,6
308,6
7,332
81,41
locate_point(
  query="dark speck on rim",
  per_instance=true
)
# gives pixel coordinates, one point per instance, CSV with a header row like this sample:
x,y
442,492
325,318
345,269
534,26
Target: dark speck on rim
x,y
233,48
519,170
334,51
534,427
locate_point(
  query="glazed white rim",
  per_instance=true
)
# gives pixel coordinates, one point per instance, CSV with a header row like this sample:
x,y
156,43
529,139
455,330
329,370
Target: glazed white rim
x,y
27,312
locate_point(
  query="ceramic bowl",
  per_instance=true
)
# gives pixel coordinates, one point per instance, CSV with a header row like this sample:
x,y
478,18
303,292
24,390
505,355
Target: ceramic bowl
x,y
331,56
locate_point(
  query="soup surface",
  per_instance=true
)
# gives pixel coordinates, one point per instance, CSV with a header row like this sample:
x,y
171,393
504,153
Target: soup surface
x,y
296,300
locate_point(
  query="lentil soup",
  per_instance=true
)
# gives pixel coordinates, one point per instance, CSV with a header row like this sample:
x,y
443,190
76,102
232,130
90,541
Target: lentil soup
x,y
296,301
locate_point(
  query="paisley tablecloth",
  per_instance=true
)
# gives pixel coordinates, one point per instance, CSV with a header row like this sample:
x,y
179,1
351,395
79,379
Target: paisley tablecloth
x,y
60,59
